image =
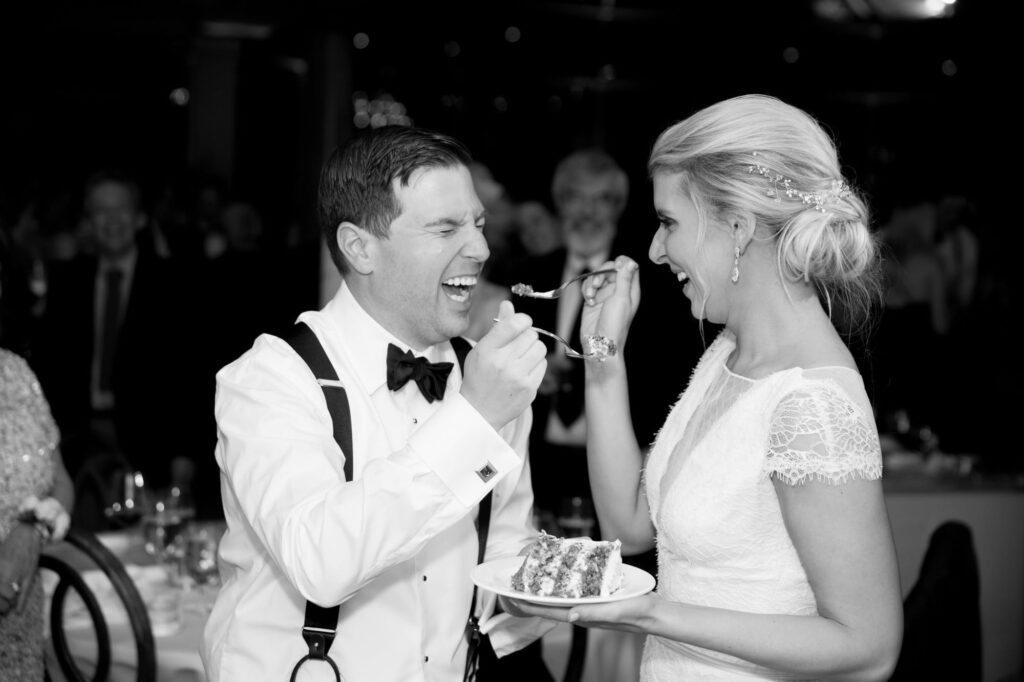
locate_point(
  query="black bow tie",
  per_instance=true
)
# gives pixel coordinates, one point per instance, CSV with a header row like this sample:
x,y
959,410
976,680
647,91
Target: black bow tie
x,y
431,377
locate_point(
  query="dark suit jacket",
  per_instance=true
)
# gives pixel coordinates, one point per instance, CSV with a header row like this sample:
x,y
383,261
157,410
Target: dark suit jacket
x,y
154,370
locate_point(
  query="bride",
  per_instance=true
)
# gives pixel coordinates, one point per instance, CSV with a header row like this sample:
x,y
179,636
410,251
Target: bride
x,y
762,490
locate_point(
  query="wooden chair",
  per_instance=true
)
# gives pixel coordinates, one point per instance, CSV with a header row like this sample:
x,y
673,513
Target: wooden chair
x,y
70,578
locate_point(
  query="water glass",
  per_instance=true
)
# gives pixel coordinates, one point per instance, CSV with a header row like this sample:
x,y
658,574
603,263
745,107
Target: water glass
x,y
576,518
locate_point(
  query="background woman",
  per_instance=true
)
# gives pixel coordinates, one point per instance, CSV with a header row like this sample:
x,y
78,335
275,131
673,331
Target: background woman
x,y
762,488
35,492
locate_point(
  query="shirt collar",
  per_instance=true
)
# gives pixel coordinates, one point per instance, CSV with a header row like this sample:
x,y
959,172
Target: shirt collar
x,y
125,263
575,264
367,341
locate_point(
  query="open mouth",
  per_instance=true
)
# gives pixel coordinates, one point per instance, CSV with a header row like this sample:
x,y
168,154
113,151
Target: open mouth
x,y
459,289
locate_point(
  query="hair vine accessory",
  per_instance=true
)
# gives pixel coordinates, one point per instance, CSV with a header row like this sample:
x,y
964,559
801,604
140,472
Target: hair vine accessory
x,y
779,184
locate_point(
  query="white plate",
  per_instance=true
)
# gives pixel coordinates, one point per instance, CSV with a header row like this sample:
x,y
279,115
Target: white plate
x,y
496,576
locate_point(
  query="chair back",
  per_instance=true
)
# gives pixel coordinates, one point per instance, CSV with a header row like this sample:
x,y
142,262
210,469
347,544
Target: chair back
x,y
70,578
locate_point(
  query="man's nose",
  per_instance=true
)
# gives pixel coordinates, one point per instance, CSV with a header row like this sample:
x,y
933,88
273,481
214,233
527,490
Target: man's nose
x,y
476,248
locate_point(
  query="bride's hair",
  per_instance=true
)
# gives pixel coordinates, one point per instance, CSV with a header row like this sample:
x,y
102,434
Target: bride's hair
x,y
759,155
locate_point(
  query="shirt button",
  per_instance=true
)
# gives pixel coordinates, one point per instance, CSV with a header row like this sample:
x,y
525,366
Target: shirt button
x,y
426,659
424,578
415,420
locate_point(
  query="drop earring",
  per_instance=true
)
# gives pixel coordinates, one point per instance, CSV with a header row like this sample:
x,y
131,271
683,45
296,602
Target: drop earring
x,y
735,275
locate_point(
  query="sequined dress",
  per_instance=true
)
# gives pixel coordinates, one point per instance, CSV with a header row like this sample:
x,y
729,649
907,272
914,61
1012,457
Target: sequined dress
x,y
28,437
721,538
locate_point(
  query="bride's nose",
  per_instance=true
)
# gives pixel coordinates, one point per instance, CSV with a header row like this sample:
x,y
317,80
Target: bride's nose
x,y
657,251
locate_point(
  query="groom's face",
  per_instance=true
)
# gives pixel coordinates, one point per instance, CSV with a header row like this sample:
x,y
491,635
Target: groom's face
x,y
426,269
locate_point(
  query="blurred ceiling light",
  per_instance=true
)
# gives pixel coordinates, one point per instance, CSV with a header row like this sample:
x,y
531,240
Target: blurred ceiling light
x,y
237,29
882,10
361,41
296,65
452,48
512,34
180,96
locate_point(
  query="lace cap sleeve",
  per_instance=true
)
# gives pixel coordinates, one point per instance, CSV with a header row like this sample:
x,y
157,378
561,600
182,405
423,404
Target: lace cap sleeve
x,y
818,433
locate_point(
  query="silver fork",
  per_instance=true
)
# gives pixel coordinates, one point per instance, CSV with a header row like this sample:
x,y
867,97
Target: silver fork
x,y
527,290
566,347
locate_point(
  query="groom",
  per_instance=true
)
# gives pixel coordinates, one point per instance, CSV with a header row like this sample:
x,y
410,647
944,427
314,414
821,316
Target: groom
x,y
395,546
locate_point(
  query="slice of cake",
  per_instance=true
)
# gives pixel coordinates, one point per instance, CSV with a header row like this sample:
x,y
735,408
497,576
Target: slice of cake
x,y
570,567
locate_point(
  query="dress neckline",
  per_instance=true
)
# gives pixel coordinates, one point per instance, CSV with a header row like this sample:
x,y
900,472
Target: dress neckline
x,y
731,373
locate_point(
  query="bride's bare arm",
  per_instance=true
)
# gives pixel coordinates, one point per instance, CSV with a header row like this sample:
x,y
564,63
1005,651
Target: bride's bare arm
x,y
613,454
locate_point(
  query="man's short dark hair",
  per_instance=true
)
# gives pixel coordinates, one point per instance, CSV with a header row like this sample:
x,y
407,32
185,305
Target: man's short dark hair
x,y
356,182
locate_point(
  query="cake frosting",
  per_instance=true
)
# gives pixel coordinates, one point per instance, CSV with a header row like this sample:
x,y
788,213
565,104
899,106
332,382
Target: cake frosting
x,y
570,567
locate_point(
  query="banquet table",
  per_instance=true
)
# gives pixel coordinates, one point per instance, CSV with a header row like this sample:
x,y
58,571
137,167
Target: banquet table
x,y
177,641
992,507
610,656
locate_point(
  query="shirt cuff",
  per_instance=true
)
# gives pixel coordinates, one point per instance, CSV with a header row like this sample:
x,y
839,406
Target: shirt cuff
x,y
465,452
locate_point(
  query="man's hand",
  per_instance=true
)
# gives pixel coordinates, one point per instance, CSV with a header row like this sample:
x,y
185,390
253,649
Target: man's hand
x,y
505,368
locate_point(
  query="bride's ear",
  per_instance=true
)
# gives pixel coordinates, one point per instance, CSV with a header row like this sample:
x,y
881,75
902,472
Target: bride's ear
x,y
742,225
357,247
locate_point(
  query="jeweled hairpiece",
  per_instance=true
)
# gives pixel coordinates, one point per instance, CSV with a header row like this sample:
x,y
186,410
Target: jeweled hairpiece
x,y
779,185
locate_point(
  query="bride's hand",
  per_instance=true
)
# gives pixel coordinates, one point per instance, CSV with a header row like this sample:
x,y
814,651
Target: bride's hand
x,y
629,615
610,301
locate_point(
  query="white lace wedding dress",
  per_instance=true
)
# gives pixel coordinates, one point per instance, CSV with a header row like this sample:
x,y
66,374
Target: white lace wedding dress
x,y
721,537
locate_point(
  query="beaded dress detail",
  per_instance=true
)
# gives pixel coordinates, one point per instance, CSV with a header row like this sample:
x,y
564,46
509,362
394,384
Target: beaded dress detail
x,y
28,437
721,538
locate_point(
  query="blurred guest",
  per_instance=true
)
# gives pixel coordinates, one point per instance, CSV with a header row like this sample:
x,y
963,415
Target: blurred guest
x,y
958,249
915,318
590,190
538,229
18,300
35,496
113,354
499,233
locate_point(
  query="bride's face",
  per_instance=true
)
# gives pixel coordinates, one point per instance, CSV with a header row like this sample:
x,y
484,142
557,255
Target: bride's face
x,y
700,259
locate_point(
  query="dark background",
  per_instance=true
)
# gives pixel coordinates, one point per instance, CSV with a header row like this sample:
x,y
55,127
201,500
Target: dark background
x,y
920,107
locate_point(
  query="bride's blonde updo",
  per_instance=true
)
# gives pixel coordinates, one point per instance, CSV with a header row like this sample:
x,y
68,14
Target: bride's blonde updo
x,y
759,155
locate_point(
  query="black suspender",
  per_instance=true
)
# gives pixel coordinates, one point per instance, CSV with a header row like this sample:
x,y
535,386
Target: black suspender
x,y
321,624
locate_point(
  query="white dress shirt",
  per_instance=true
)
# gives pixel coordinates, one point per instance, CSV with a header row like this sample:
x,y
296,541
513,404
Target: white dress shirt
x,y
396,545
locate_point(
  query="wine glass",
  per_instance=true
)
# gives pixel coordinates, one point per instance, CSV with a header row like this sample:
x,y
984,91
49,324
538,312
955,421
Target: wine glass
x,y
164,523
131,503
200,555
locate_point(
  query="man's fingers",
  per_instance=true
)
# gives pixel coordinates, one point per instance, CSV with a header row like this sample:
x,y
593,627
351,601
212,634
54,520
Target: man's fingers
x,y
505,329
506,309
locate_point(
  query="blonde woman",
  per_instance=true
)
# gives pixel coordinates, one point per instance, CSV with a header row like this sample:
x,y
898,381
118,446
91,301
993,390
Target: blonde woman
x,y
762,490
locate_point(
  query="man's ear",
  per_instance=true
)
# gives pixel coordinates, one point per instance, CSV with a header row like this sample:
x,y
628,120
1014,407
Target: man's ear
x,y
743,226
356,246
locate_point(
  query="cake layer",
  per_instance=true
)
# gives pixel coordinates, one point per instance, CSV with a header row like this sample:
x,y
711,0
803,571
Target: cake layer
x,y
570,567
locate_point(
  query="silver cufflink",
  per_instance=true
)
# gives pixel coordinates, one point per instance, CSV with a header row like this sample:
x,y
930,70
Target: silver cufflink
x,y
487,472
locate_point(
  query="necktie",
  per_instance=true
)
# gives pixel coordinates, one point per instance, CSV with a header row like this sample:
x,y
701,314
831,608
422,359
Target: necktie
x,y
111,322
431,377
569,403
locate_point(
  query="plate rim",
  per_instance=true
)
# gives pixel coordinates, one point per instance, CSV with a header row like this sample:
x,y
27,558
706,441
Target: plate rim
x,y
476,575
